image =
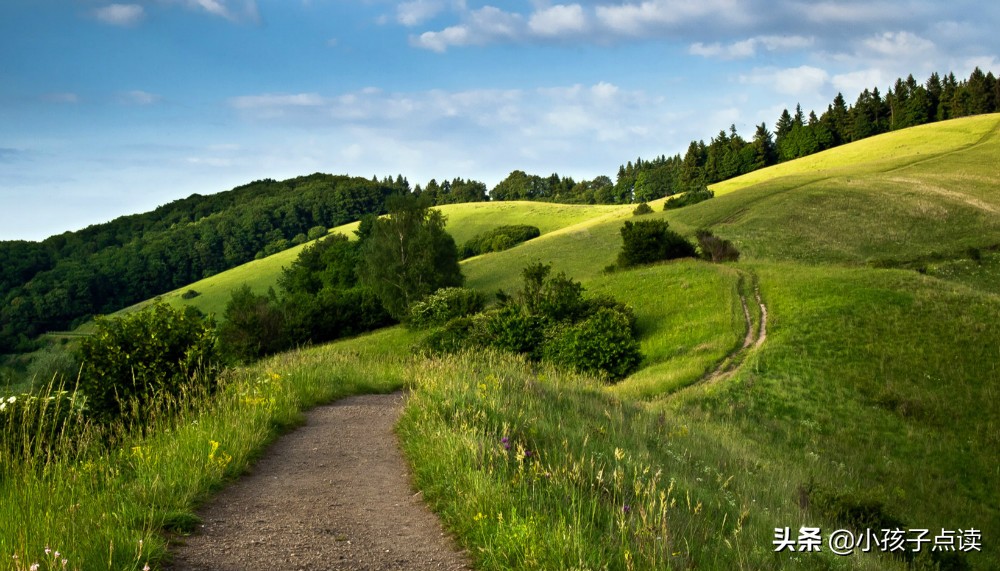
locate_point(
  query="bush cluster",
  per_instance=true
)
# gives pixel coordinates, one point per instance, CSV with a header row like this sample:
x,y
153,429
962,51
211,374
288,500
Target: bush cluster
x,y
643,208
551,319
444,305
499,239
651,241
137,357
688,198
715,249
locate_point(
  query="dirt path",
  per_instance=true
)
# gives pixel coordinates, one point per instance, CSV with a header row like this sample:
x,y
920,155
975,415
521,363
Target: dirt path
x,y
755,337
334,494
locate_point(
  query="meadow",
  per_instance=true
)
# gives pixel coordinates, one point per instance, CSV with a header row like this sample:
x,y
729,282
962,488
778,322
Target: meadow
x,y
874,400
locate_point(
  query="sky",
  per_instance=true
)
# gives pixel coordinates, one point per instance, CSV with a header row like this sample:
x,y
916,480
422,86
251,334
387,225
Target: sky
x,y
112,108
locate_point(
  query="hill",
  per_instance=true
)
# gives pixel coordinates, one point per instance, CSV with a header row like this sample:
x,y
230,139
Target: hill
x,y
872,403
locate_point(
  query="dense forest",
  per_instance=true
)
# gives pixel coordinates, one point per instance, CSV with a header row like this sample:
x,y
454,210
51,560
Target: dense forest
x,y
56,283
52,284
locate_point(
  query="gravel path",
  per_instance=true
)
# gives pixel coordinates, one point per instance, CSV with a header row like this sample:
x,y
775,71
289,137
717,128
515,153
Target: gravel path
x,y
334,494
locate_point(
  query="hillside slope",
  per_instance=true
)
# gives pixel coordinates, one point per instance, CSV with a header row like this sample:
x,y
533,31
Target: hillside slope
x,y
874,401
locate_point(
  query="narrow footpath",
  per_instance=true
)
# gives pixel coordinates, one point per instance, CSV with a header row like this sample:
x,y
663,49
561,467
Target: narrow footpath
x,y
754,338
333,494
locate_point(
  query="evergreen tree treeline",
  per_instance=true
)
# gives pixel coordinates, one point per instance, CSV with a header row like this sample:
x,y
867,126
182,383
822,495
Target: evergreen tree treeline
x,y
795,135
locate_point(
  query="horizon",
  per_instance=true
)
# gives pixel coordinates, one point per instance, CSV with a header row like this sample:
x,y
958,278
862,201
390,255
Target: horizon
x,y
182,97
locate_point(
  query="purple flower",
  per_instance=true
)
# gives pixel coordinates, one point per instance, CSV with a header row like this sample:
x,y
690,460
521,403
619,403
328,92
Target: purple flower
x,y
527,453
626,508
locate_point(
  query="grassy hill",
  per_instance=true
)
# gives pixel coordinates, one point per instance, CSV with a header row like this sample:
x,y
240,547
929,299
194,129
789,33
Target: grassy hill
x,y
873,402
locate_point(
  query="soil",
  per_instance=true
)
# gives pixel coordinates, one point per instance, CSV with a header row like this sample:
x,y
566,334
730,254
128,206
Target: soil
x,y
334,494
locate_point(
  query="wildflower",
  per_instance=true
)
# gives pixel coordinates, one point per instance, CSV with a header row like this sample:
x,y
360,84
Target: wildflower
x,y
626,509
47,550
11,400
145,567
506,443
34,567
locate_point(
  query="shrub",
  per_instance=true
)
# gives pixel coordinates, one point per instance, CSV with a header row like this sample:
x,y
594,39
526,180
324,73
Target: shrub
x,y
509,328
716,249
651,241
602,344
254,325
499,239
316,232
550,319
444,305
137,357
643,208
688,198
190,294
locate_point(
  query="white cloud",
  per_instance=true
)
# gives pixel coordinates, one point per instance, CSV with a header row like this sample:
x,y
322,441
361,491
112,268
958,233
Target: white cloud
x,y
750,47
480,27
120,14
417,12
652,16
852,83
234,10
515,128
799,81
558,20
277,100
898,45
865,12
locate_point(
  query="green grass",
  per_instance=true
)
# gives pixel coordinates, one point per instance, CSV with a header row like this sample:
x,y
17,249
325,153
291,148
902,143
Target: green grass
x,y
935,202
874,385
106,507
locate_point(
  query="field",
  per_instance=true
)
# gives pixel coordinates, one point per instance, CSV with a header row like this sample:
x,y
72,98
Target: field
x,y
873,402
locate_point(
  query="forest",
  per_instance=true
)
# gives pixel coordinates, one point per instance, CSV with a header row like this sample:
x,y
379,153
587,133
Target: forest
x,y
63,280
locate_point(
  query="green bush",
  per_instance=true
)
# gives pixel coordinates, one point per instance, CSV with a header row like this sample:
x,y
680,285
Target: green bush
x,y
499,239
715,249
444,305
651,241
550,319
602,344
508,328
688,198
253,325
643,208
137,357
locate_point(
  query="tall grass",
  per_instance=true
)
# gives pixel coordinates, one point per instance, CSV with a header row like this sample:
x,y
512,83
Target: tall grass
x,y
103,497
534,468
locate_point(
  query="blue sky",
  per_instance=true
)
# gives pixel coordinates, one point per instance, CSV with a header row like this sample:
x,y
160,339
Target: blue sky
x,y
110,108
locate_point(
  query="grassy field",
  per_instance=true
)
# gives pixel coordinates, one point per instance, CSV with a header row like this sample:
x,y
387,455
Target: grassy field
x,y
873,401
464,222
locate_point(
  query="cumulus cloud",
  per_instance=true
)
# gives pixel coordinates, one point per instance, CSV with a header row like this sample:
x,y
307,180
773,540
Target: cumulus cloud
x,y
558,20
656,16
120,14
480,27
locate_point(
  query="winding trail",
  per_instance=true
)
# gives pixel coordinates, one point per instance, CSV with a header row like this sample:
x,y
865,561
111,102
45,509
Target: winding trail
x,y
754,339
333,494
